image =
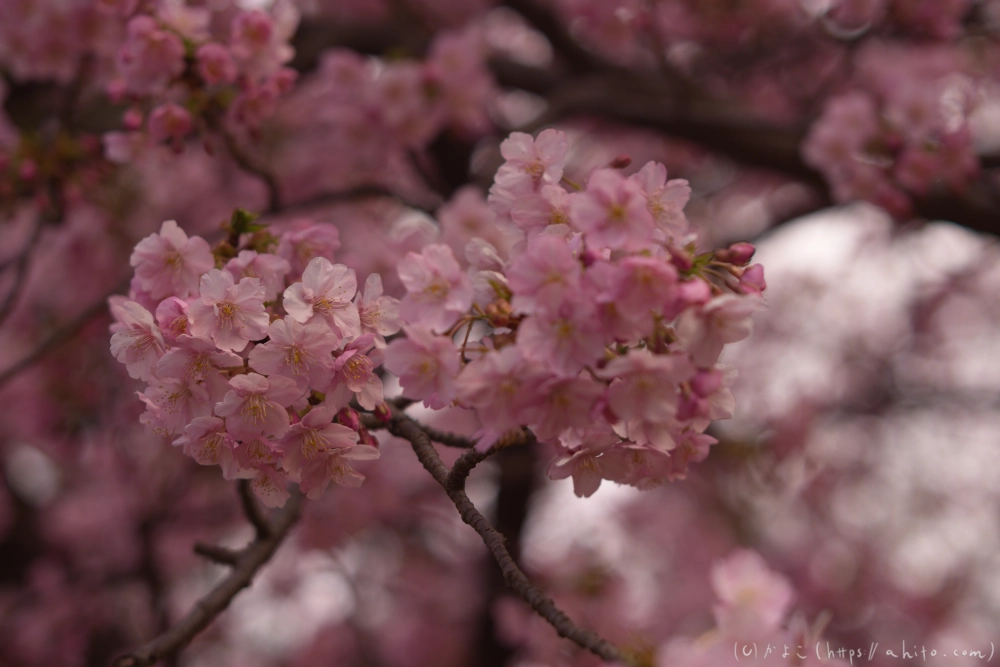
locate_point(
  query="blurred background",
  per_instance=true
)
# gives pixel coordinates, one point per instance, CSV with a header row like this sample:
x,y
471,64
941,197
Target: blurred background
x,y
856,143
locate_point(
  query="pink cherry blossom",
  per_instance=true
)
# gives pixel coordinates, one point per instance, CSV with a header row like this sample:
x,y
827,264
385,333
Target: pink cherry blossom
x,y
753,600
566,337
270,486
725,319
646,384
256,405
530,164
353,372
325,295
304,241
215,64
298,351
198,360
583,461
334,466
565,402
139,344
271,270
230,314
172,403
665,199
150,56
426,365
206,440
170,123
169,263
313,437
612,211
172,316
545,272
551,206
503,387
378,314
438,291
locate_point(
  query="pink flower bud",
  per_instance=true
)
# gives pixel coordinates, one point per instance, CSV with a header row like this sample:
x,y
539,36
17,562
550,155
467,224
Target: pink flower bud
x,y
215,64
382,413
132,120
706,383
169,122
738,254
752,281
620,162
681,259
349,418
366,438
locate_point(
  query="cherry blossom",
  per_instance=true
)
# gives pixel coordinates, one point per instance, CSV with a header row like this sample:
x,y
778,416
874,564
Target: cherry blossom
x,y
139,344
438,291
169,263
232,314
325,294
256,404
302,352
426,365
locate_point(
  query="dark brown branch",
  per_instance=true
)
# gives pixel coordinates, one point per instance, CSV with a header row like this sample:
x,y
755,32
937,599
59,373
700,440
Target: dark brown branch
x,y
404,427
441,437
249,164
250,560
220,555
20,265
255,515
60,335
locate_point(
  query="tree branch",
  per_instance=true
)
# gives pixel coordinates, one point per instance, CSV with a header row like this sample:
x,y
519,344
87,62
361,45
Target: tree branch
x,y
453,482
248,562
20,265
60,335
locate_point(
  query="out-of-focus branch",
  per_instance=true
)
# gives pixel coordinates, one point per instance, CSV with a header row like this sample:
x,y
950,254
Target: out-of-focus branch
x,y
248,561
453,482
251,165
19,263
60,335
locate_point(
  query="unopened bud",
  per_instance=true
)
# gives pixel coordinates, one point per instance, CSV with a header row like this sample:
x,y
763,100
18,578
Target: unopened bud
x,y
620,162
366,438
706,383
681,259
132,120
752,281
739,254
349,418
588,257
382,412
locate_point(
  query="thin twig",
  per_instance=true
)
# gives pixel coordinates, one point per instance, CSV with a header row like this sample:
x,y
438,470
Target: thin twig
x,y
60,335
250,560
249,164
220,555
20,265
445,438
404,427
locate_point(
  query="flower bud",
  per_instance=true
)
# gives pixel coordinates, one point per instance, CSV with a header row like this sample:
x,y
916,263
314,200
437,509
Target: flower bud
x,y
738,254
349,418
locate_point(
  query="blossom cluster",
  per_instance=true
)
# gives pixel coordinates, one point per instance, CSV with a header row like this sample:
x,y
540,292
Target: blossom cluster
x,y
252,358
590,319
901,134
183,68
